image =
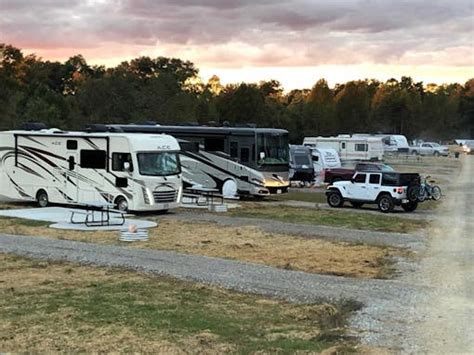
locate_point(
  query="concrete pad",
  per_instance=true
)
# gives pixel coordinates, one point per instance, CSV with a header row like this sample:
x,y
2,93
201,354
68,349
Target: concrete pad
x,y
62,218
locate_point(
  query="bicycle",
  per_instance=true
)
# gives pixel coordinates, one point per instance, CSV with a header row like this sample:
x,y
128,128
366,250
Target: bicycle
x,y
427,191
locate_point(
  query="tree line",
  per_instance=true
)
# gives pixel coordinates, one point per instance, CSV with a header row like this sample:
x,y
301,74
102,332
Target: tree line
x,y
72,94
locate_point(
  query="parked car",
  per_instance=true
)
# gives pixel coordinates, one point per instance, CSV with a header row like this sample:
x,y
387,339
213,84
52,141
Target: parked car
x,y
344,174
385,189
430,148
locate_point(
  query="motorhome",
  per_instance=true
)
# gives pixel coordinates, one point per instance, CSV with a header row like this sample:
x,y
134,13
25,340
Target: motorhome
x,y
134,172
349,148
301,164
324,159
234,160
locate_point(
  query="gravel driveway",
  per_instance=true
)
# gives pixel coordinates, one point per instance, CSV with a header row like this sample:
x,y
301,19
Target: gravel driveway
x,y
402,240
293,286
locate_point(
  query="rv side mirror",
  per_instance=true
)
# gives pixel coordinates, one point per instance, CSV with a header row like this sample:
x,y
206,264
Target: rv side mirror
x,y
262,155
126,166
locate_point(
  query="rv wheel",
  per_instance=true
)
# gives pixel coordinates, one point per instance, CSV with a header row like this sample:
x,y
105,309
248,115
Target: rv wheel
x,y
42,198
229,189
121,204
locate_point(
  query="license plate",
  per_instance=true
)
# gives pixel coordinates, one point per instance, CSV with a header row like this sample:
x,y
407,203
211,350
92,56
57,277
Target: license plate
x,y
279,191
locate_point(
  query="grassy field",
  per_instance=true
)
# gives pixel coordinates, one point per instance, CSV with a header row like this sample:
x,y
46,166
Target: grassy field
x,y
239,243
315,197
48,307
333,218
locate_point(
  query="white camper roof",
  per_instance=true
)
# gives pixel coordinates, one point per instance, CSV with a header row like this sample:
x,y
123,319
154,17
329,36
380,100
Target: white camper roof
x,y
138,141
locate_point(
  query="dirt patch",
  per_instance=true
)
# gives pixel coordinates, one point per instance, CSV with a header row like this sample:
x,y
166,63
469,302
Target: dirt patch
x,y
241,243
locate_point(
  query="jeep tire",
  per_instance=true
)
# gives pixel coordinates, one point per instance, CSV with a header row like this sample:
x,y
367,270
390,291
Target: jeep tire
x,y
335,199
385,203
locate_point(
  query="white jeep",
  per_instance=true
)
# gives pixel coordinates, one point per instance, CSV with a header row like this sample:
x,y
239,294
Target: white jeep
x,y
386,189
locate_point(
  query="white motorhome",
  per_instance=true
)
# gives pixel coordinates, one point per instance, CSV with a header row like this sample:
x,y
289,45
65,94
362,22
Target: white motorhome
x,y
349,148
136,172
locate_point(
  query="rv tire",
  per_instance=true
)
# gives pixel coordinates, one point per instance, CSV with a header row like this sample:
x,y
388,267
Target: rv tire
x,y
229,189
121,203
42,198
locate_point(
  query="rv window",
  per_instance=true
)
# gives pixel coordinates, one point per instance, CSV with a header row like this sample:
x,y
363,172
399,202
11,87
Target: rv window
x,y
71,145
189,146
244,155
93,159
71,162
343,145
374,179
360,178
315,158
118,160
361,147
214,144
234,149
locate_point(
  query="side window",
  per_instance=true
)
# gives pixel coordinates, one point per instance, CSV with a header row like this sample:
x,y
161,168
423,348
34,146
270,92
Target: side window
x,y
244,155
71,145
360,178
343,145
93,159
234,149
374,179
118,160
361,147
315,158
214,144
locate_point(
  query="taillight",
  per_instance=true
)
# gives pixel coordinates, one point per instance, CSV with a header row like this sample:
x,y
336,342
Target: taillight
x,y
399,190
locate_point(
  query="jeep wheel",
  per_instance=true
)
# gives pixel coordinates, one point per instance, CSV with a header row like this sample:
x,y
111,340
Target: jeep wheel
x,y
356,204
409,206
335,199
385,203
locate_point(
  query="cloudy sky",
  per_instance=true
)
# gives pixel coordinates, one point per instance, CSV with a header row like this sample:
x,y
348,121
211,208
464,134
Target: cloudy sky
x,y
294,41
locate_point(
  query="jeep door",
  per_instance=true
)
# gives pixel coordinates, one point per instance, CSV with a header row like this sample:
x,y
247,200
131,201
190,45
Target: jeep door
x,y
373,186
358,189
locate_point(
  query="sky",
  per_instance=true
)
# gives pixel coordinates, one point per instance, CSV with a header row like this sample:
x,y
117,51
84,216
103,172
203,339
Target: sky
x,y
294,41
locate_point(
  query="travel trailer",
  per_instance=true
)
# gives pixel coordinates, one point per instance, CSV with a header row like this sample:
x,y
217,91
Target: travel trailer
x,y
392,143
324,159
135,172
235,160
301,164
349,148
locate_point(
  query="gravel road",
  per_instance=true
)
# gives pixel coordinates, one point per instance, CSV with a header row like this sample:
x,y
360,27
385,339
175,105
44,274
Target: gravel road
x,y
402,240
293,286
438,316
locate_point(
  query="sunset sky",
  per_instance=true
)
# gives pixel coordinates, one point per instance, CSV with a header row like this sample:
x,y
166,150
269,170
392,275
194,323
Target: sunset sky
x,y
294,41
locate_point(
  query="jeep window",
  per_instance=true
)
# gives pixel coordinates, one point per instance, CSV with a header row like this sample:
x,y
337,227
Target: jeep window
x,y
360,178
374,179
361,147
390,179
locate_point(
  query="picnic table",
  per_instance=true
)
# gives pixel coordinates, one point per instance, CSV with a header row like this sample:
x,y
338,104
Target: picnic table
x,y
210,196
104,209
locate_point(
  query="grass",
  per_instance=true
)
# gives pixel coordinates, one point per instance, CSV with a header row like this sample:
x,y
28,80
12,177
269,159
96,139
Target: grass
x,y
245,243
333,218
314,197
58,307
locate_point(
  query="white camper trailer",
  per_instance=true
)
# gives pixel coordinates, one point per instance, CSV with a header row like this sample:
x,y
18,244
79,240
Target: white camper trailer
x,y
349,148
135,172
394,144
324,159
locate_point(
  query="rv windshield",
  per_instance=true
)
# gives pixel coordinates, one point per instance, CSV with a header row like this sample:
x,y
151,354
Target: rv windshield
x,y
158,164
272,149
